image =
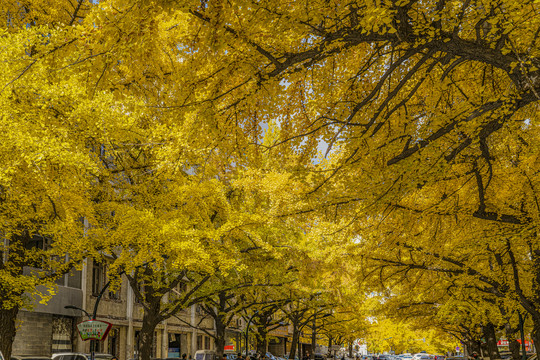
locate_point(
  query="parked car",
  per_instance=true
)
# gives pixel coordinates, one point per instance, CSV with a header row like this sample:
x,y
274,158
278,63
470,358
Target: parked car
x,y
80,356
205,355
422,356
29,357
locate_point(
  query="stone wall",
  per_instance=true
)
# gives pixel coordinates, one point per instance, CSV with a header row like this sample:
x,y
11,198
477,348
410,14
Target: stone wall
x,y
34,334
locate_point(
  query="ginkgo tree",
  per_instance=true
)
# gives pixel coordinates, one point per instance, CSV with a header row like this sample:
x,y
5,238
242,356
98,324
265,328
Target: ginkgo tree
x,y
427,112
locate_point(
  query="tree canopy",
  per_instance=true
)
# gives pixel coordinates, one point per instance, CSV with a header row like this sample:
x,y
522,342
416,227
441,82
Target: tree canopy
x,y
391,143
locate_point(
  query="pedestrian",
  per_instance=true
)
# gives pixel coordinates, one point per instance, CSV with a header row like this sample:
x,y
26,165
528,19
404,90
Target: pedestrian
x,y
184,356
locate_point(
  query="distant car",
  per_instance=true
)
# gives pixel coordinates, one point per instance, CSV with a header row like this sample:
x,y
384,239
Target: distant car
x,y
205,355
286,356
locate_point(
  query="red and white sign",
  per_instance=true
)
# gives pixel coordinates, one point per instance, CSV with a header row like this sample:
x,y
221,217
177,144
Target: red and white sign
x,y
504,342
228,348
93,329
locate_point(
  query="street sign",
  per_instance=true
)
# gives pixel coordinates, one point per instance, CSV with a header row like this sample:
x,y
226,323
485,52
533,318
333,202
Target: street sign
x,y
228,348
93,329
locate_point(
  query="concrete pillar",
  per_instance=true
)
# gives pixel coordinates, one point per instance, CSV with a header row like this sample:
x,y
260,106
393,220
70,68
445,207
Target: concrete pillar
x,y
80,346
129,316
165,341
194,331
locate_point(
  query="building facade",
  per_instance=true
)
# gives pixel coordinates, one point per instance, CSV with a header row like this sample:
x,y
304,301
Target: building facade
x,y
50,328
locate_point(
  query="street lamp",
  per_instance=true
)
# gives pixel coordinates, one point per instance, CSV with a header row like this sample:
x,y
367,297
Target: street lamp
x,y
78,308
94,314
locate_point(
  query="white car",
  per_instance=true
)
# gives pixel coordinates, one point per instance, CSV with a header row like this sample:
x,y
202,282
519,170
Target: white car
x,y
422,356
79,356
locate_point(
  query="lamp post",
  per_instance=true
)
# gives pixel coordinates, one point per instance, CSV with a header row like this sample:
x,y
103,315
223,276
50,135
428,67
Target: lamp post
x,y
92,352
94,314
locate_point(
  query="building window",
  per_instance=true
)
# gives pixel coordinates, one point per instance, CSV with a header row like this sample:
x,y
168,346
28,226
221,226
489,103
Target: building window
x,y
207,343
74,278
113,345
37,242
115,294
98,277
199,342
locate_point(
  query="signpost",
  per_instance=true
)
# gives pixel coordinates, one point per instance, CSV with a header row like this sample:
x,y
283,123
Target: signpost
x,y
94,329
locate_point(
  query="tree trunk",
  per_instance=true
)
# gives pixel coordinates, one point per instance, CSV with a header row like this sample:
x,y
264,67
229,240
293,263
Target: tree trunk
x,y
294,341
220,337
313,337
536,333
536,296
491,342
261,339
7,330
146,336
513,344
473,346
